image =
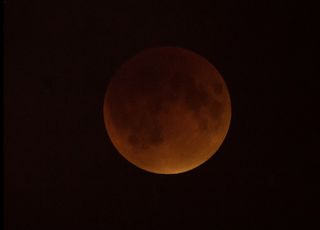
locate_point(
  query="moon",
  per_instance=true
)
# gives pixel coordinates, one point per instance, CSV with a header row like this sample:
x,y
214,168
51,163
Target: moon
x,y
167,110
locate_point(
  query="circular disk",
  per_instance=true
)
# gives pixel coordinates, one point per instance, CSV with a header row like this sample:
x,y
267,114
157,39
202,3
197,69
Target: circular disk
x,y
167,110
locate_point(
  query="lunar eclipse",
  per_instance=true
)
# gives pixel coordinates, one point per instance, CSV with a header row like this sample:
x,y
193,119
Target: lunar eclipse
x,y
167,110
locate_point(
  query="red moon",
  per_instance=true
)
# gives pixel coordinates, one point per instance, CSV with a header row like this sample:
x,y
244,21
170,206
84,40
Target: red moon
x,y
167,110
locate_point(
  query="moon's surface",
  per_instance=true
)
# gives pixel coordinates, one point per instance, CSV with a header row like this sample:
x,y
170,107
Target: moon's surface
x,y
167,110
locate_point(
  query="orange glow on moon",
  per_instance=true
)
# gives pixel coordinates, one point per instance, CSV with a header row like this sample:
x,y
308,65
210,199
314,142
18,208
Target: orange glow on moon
x,y
167,110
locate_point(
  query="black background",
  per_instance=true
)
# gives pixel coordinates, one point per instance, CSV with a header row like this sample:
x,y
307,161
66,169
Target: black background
x,y
61,170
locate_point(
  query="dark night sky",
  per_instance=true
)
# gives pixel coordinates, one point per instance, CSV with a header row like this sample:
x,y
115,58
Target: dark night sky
x,y
61,170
